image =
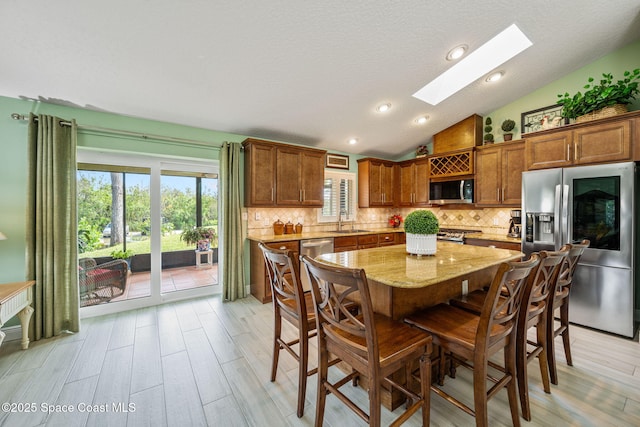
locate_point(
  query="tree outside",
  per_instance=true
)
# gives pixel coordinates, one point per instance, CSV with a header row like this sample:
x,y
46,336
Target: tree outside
x,y
101,203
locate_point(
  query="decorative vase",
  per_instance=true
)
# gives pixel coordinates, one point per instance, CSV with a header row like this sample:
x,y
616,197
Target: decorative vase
x,y
421,244
203,245
508,136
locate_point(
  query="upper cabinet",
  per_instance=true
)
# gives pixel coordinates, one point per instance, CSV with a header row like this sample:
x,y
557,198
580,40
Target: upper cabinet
x,y
413,183
463,135
375,182
499,174
600,141
282,175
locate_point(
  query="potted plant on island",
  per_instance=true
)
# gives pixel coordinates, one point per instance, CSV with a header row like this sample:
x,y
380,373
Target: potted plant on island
x,y
421,228
601,100
507,127
199,236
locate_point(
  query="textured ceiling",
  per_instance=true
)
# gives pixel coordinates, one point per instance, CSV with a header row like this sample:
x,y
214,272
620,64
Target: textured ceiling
x,y
308,72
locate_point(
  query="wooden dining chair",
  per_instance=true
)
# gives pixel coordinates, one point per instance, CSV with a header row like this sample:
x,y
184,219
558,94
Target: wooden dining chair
x,y
375,346
294,305
561,302
534,312
463,336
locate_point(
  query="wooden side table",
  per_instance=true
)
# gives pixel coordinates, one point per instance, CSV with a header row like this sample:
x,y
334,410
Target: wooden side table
x,y
14,299
209,255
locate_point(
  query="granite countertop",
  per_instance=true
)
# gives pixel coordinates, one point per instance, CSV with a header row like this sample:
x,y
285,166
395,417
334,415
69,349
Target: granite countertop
x,y
270,237
494,237
392,265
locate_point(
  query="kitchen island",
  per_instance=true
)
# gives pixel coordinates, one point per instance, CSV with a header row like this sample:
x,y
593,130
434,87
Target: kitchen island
x,y
401,284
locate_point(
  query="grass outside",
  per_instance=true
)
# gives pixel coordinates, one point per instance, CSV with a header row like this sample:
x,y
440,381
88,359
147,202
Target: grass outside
x,y
142,245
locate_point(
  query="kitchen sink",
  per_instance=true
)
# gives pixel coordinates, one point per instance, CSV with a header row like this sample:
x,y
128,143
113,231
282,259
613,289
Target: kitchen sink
x,y
351,231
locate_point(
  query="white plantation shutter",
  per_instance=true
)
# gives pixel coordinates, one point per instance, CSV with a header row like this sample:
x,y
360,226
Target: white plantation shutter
x,y
338,194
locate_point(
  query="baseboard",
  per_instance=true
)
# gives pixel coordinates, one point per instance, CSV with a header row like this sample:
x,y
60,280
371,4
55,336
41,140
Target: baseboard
x,y
14,333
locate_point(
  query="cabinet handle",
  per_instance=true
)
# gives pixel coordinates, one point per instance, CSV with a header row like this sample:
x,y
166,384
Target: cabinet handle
x,y
299,195
304,195
498,194
568,152
272,194
575,151
282,248
502,200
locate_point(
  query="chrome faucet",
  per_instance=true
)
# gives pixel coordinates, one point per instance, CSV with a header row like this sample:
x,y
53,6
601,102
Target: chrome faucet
x,y
342,212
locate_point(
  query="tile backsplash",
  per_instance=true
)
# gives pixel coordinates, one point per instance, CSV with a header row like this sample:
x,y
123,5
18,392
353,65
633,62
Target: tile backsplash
x,y
487,220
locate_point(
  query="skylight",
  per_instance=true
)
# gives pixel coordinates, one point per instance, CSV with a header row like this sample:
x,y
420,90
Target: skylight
x,y
478,63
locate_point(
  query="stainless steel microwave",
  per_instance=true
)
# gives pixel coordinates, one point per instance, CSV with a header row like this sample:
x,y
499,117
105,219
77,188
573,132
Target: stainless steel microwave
x,y
456,191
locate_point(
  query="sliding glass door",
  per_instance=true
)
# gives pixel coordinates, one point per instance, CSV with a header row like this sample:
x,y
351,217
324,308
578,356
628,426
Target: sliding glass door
x,y
132,212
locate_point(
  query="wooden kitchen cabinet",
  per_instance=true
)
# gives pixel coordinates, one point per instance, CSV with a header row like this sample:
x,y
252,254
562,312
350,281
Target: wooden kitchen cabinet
x,y
599,141
345,243
606,142
260,286
463,135
260,173
413,183
375,182
364,241
499,170
282,175
388,239
305,165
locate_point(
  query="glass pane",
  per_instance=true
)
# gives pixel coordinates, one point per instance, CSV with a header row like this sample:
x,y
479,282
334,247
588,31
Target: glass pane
x,y
111,240
188,264
596,212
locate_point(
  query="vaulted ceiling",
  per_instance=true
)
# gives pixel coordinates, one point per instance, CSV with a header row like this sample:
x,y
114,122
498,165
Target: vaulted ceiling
x,y
308,72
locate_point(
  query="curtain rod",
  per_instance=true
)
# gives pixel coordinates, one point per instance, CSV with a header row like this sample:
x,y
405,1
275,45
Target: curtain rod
x,y
16,116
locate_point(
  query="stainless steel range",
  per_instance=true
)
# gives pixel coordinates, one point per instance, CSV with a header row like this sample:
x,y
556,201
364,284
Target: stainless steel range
x,y
454,235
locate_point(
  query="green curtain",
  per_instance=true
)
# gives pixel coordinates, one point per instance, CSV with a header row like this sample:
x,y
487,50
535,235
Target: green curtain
x,y
52,227
231,242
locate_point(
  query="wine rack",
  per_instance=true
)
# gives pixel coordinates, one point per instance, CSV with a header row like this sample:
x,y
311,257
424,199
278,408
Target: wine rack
x,y
452,164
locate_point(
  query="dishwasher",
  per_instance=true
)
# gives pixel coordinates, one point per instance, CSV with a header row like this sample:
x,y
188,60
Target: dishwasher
x,y
313,248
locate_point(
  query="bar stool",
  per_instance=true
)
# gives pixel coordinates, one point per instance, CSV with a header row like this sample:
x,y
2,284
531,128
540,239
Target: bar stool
x,y
561,301
462,336
294,305
374,345
534,311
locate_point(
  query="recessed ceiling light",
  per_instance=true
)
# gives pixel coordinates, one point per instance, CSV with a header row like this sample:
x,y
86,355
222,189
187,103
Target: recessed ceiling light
x,y
421,120
487,57
383,108
457,52
494,77
353,141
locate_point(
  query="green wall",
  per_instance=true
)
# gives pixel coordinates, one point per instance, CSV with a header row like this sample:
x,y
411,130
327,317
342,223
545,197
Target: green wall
x,y
625,59
13,168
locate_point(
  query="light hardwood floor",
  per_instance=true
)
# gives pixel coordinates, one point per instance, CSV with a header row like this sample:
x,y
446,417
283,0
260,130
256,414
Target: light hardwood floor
x,y
204,362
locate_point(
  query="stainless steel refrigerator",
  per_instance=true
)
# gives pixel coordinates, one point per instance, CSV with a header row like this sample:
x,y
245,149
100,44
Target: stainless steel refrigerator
x,y
596,203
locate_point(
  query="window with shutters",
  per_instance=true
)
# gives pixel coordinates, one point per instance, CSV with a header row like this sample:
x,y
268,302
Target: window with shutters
x,y
339,195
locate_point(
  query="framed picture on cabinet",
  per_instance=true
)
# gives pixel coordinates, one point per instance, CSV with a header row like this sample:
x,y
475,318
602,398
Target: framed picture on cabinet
x,y
337,161
542,118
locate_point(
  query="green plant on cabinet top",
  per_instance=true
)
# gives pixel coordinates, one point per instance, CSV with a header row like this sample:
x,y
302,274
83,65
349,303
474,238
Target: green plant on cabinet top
x,y
598,96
